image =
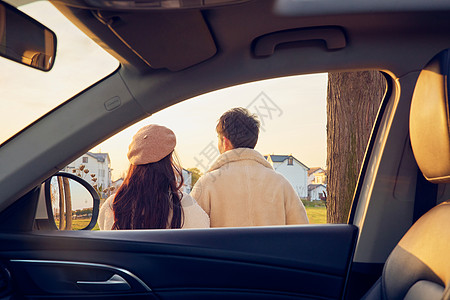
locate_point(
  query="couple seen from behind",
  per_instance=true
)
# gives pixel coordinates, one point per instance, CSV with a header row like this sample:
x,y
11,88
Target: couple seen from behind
x,y
240,189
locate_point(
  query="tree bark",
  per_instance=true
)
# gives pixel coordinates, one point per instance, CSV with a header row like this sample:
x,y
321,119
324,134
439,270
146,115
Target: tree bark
x,y
68,198
353,100
61,204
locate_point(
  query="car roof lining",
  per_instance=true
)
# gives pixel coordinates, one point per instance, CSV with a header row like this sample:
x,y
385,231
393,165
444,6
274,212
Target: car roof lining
x,y
182,37
233,30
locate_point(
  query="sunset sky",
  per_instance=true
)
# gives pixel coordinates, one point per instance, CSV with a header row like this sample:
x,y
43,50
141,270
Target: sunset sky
x,y
292,110
297,124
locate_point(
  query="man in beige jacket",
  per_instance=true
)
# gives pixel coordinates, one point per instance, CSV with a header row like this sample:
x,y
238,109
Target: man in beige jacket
x,y
241,188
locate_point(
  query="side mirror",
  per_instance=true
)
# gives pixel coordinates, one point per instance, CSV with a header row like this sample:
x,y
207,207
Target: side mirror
x,y
72,203
25,40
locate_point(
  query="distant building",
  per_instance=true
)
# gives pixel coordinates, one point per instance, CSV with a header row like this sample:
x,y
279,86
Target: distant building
x,y
117,183
317,175
293,170
96,163
187,181
317,192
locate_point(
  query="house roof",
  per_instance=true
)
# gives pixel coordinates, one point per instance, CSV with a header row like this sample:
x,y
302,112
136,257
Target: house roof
x,y
120,179
315,169
315,186
280,158
101,157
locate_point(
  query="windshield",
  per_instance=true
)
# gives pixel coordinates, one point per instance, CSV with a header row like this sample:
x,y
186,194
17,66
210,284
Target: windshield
x,y
27,93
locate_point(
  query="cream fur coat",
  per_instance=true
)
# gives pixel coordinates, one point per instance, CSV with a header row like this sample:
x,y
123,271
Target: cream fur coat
x,y
242,189
194,216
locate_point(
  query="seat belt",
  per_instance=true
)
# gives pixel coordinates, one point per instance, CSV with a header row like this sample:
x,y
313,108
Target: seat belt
x,y
426,196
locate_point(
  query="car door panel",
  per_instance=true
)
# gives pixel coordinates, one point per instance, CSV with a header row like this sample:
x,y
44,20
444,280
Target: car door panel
x,y
301,262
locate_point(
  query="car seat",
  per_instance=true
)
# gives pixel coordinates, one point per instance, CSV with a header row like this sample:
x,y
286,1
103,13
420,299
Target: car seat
x,y
419,266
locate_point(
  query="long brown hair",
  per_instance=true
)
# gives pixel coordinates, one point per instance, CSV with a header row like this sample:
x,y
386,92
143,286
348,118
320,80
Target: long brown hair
x,y
150,197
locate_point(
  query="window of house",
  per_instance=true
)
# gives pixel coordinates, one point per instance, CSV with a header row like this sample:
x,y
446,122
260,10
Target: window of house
x,y
290,161
85,160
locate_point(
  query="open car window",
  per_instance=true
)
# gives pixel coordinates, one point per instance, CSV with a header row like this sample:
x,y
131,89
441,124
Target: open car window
x,y
293,137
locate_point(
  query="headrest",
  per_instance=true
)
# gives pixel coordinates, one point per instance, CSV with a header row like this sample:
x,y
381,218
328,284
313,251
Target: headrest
x,y
429,122
421,257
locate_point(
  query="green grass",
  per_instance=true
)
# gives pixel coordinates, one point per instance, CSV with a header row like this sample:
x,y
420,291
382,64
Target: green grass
x,y
317,215
78,224
82,223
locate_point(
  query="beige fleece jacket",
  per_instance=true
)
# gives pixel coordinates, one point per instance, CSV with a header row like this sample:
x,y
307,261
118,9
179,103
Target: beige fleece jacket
x,y
242,189
194,216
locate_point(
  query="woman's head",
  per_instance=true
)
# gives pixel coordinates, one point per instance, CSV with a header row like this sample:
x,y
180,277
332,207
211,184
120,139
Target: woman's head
x,y
150,195
151,144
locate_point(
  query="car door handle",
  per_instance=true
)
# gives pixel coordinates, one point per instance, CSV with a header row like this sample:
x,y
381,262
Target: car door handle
x,y
115,283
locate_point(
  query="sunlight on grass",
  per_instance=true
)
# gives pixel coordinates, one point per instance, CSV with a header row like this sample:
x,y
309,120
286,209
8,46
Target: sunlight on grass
x,y
78,224
317,215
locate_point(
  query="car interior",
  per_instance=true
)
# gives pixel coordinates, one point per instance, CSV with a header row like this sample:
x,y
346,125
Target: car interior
x,y
417,268
168,55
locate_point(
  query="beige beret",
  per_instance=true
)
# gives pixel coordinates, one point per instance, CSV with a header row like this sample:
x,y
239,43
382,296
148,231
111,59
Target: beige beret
x,y
151,144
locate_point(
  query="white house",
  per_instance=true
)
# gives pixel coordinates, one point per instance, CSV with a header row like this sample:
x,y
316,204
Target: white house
x,y
317,192
95,163
187,181
117,183
317,175
295,172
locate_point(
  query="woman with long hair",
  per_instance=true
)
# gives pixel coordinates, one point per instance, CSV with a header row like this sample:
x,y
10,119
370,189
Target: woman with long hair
x,y
150,197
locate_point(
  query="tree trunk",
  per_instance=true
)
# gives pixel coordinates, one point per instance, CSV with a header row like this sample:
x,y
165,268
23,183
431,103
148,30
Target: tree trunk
x,y
353,99
68,198
61,204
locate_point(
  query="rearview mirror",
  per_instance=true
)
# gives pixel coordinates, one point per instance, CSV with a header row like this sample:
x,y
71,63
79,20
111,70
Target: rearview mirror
x,y
24,40
72,203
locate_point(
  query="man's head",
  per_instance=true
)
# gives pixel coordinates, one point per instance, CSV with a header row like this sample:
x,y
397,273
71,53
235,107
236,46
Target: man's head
x,y
237,128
